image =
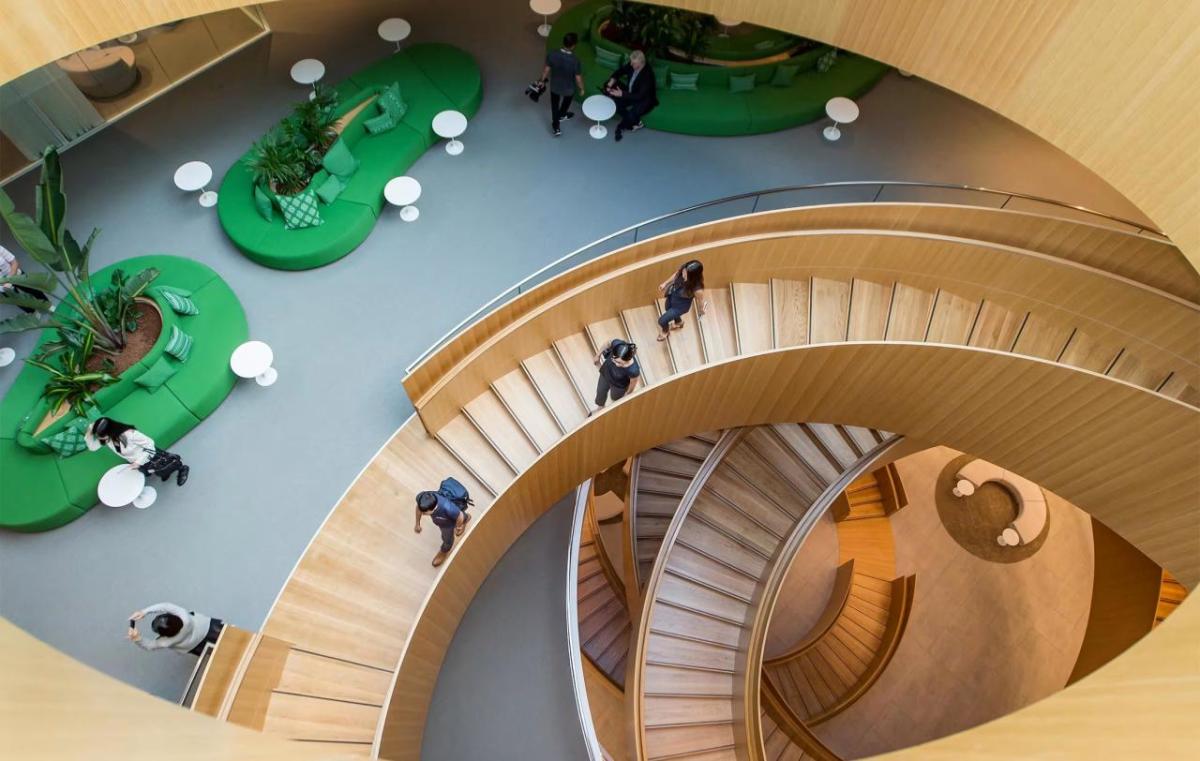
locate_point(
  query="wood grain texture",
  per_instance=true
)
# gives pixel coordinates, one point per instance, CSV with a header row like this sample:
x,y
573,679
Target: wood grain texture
x,y
1137,258
1049,68
218,676
1123,453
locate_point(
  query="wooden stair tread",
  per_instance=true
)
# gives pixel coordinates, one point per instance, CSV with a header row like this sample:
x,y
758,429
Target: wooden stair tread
x,y
910,313
789,303
475,452
552,382
869,306
830,316
717,328
499,427
577,357
307,673
653,355
752,316
685,344
299,717
533,414
996,327
953,319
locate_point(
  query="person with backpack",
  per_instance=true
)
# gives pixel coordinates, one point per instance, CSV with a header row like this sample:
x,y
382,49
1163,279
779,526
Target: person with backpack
x,y
447,508
683,287
619,371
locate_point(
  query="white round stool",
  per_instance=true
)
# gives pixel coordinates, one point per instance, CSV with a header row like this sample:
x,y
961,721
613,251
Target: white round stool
x,y
404,192
7,355
842,111
253,360
1008,538
599,108
395,30
545,9
308,71
122,485
450,124
727,24
193,176
963,488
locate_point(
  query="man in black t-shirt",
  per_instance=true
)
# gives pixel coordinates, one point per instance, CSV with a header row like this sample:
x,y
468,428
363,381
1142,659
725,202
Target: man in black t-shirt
x,y
564,72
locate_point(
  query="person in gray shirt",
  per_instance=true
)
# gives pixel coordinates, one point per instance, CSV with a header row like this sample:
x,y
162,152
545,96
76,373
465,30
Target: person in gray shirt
x,y
181,630
564,72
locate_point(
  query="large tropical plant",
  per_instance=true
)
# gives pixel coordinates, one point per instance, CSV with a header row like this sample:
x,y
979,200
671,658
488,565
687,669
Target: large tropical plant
x,y
314,121
277,162
72,383
79,316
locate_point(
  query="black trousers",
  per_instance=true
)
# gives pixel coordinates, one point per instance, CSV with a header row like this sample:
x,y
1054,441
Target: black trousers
x,y
215,625
631,113
163,463
559,106
606,387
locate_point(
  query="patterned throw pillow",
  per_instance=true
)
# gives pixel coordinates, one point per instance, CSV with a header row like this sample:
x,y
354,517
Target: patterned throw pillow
x,y
179,345
381,123
390,102
784,75
608,59
69,441
179,299
300,210
262,202
744,83
158,374
684,81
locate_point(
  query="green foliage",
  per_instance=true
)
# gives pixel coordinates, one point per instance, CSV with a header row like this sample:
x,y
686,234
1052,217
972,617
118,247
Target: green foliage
x,y
118,302
692,32
655,29
827,60
286,159
279,163
71,382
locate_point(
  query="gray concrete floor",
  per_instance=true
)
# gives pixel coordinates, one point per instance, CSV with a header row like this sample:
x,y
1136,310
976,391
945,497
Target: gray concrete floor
x,y
267,466
504,692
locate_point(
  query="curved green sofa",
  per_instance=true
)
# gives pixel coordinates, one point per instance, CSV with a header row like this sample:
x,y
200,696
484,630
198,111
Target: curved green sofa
x,y
713,109
40,490
433,77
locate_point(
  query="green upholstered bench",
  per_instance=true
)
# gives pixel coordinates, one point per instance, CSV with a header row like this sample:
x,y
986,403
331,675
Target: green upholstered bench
x,y
712,109
432,78
40,490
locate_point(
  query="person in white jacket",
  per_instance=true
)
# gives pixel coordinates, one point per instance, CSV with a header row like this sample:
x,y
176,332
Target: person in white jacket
x,y
136,448
181,630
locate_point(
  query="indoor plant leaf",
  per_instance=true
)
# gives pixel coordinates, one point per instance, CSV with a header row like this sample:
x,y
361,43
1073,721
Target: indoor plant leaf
x,y
29,236
23,322
25,301
51,203
41,281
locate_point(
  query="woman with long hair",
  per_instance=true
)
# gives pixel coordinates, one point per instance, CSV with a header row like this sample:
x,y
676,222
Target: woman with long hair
x,y
136,448
681,289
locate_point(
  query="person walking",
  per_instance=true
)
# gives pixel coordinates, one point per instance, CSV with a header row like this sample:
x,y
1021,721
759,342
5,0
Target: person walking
x,y
447,508
181,630
681,289
136,448
619,371
635,91
564,72
10,267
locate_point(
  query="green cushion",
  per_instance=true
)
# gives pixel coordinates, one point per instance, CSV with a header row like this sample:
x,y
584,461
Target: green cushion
x,y
339,160
683,81
263,203
608,59
660,76
158,374
390,102
300,210
204,382
179,345
330,189
743,83
178,299
783,76
69,441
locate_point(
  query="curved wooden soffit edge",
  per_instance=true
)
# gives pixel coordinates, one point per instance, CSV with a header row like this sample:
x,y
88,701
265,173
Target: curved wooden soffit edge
x,y
1122,453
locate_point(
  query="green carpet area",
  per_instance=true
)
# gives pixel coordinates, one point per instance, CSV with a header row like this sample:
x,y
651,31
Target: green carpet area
x,y
432,77
42,491
712,109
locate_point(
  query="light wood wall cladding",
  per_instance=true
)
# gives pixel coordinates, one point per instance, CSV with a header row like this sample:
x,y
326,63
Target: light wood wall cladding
x,y
53,707
232,646
1138,258
1124,454
1162,330
36,33
1048,66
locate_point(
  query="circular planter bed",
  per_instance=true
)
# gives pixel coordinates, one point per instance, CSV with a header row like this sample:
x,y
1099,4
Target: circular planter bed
x,y
42,490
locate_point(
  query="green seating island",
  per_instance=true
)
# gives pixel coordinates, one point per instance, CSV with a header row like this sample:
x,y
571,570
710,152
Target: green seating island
x,y
432,77
41,490
714,108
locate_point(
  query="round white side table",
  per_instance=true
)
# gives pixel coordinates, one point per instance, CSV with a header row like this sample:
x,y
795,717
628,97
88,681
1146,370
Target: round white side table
x,y
253,360
727,24
395,30
545,9
308,71
1008,538
193,176
128,39
7,355
599,108
842,111
404,192
122,485
450,124
963,488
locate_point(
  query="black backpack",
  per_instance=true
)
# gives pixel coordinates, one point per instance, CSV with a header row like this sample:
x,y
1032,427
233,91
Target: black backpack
x,y
454,491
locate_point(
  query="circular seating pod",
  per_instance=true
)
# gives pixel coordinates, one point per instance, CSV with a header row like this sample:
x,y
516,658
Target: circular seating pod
x,y
432,77
41,490
1031,503
712,108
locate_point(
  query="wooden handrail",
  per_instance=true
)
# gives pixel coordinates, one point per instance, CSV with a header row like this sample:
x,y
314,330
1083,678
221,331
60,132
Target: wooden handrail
x,y
777,708
837,601
606,567
583,711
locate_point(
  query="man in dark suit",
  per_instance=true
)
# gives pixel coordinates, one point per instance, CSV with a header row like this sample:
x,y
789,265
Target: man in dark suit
x,y
633,88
